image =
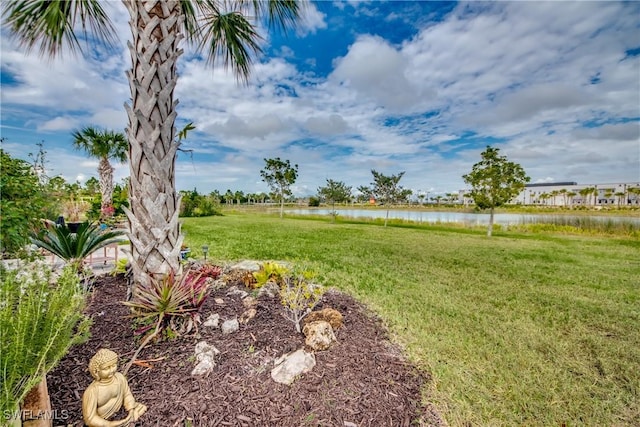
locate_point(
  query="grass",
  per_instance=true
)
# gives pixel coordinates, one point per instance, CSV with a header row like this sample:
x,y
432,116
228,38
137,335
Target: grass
x,y
518,329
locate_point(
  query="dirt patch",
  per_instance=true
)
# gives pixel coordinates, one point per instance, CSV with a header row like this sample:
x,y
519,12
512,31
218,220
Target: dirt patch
x,y
363,379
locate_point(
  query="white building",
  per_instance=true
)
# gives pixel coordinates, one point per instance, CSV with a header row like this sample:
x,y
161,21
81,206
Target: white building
x,y
574,194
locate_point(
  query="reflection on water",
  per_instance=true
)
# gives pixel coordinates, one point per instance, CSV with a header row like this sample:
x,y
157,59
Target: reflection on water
x,y
461,217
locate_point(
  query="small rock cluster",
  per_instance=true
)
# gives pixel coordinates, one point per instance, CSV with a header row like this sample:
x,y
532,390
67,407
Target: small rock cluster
x,y
319,327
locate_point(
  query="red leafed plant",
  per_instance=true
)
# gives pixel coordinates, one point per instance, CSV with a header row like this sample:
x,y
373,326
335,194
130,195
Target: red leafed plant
x,y
170,304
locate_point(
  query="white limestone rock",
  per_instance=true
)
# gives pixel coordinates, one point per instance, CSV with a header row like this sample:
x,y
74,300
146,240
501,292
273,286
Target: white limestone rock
x,y
292,365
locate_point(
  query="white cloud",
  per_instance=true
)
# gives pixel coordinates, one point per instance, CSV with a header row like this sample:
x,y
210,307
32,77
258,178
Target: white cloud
x,y
312,20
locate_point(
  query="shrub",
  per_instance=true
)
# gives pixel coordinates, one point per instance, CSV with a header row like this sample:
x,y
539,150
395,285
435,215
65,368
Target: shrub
x,y
270,271
22,203
299,296
40,321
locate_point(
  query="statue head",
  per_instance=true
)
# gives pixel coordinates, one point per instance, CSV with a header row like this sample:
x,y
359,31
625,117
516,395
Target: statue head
x,y
103,357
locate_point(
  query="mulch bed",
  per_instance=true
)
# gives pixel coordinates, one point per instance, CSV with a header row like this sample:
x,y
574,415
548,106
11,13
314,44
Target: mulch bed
x,y
362,380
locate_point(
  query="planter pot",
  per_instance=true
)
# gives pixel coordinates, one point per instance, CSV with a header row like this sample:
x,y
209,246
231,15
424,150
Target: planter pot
x,y
73,226
36,407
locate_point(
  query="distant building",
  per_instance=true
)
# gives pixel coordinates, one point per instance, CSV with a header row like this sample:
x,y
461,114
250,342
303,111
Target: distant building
x,y
573,194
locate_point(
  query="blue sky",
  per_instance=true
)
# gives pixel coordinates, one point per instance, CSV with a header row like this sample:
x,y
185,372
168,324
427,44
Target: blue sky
x,y
420,87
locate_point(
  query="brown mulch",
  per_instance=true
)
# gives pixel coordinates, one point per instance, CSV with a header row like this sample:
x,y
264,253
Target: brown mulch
x,y
362,380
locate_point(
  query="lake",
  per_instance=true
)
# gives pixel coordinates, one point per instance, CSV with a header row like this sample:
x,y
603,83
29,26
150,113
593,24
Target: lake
x,y
459,217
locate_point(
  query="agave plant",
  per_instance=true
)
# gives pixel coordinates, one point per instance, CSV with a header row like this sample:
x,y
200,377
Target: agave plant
x,y
73,248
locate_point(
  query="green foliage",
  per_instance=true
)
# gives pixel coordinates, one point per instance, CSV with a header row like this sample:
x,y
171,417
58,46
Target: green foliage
x,y
279,176
120,267
73,248
168,301
314,202
495,181
194,204
39,321
22,203
299,295
387,190
270,271
335,192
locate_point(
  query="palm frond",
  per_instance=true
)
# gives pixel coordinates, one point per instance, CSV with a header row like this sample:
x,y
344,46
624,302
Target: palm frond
x,y
75,247
50,24
232,37
227,29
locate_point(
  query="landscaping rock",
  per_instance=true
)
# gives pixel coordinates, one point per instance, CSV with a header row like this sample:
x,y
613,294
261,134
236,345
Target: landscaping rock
x,y
230,326
248,315
270,289
328,315
292,365
319,335
213,321
249,302
233,290
205,356
247,265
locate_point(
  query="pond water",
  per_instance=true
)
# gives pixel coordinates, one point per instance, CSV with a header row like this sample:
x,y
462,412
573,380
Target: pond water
x,y
461,217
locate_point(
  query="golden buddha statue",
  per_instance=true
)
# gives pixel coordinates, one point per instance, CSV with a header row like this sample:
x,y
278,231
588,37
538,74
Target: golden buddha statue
x,y
108,393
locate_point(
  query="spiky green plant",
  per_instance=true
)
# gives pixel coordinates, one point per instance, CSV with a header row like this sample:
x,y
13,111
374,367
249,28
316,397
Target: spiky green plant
x,y
73,248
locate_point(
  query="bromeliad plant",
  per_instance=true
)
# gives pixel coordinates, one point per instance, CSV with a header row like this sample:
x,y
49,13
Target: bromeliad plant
x,y
270,272
73,248
170,304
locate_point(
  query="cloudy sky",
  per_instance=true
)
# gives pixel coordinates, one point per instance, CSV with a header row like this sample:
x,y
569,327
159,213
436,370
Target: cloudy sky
x,y
420,87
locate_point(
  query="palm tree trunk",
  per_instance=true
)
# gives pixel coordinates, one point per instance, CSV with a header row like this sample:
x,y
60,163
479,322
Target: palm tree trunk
x,y
154,230
105,172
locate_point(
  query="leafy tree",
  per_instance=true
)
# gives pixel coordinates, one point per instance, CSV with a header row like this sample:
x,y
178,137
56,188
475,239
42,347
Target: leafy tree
x,y
22,203
106,146
334,192
495,181
387,190
279,176
223,30
364,193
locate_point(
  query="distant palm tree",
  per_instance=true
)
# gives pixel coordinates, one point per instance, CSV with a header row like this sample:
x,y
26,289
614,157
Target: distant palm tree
x,y
104,145
585,193
223,29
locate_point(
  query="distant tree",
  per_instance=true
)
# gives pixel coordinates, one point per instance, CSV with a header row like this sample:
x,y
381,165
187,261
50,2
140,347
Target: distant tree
x,y
364,194
215,196
495,181
92,186
586,195
279,176
570,196
632,191
334,192
239,196
105,146
387,190
619,197
228,197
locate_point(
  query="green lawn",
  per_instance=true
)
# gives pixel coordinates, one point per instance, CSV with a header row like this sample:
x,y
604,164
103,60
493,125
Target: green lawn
x,y
518,329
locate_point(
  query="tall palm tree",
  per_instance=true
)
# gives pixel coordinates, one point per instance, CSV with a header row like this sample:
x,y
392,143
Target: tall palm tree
x,y
104,145
222,29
